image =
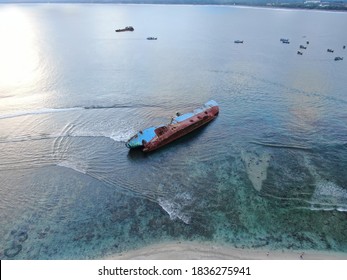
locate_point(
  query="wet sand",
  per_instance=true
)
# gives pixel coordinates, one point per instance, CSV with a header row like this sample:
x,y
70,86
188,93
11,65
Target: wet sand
x,y
208,251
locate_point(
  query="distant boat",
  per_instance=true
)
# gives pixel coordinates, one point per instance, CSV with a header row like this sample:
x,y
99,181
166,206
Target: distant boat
x,y
338,58
344,47
238,42
284,41
151,38
330,50
303,47
299,52
128,28
307,42
153,138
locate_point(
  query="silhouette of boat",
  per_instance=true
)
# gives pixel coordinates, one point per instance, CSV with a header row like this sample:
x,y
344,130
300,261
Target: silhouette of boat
x,y
330,50
127,28
151,38
238,41
284,41
299,52
338,58
303,47
153,138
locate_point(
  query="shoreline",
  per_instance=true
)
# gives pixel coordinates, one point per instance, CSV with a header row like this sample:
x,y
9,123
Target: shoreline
x,y
193,250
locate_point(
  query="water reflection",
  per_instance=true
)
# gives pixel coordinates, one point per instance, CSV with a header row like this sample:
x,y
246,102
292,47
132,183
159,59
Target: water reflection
x,y
305,112
19,53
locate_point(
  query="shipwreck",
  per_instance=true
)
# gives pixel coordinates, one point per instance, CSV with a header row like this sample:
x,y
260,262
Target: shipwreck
x,y
153,138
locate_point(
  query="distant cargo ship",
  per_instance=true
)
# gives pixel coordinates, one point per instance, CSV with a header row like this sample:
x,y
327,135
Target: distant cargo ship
x,y
128,28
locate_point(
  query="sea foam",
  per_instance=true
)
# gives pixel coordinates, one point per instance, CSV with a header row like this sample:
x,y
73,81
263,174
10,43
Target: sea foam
x,y
329,196
175,209
121,136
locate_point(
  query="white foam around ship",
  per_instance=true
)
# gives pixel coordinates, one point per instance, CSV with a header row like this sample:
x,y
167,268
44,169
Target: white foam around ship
x,y
122,136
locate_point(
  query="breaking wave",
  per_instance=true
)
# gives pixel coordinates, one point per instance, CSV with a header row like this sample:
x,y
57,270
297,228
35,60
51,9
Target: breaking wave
x,y
339,209
329,196
175,209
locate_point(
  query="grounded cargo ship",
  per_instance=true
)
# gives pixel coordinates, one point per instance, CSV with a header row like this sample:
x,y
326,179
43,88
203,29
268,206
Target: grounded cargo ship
x,y
153,138
128,28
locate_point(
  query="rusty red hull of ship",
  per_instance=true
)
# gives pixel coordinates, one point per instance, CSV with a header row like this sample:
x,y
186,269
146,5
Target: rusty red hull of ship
x,y
156,137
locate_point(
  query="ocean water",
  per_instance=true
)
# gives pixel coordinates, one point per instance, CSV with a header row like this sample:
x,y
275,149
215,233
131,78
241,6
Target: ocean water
x,y
270,172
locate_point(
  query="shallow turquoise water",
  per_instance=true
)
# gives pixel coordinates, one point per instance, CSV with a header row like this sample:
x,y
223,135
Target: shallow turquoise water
x,y
269,172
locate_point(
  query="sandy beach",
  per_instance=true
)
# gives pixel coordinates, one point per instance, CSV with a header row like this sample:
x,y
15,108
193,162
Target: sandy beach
x,y
208,251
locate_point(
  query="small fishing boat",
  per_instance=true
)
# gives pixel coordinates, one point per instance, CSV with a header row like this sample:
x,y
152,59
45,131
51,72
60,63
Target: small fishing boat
x,y
153,138
303,47
338,58
299,52
330,50
238,41
284,41
127,28
151,38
